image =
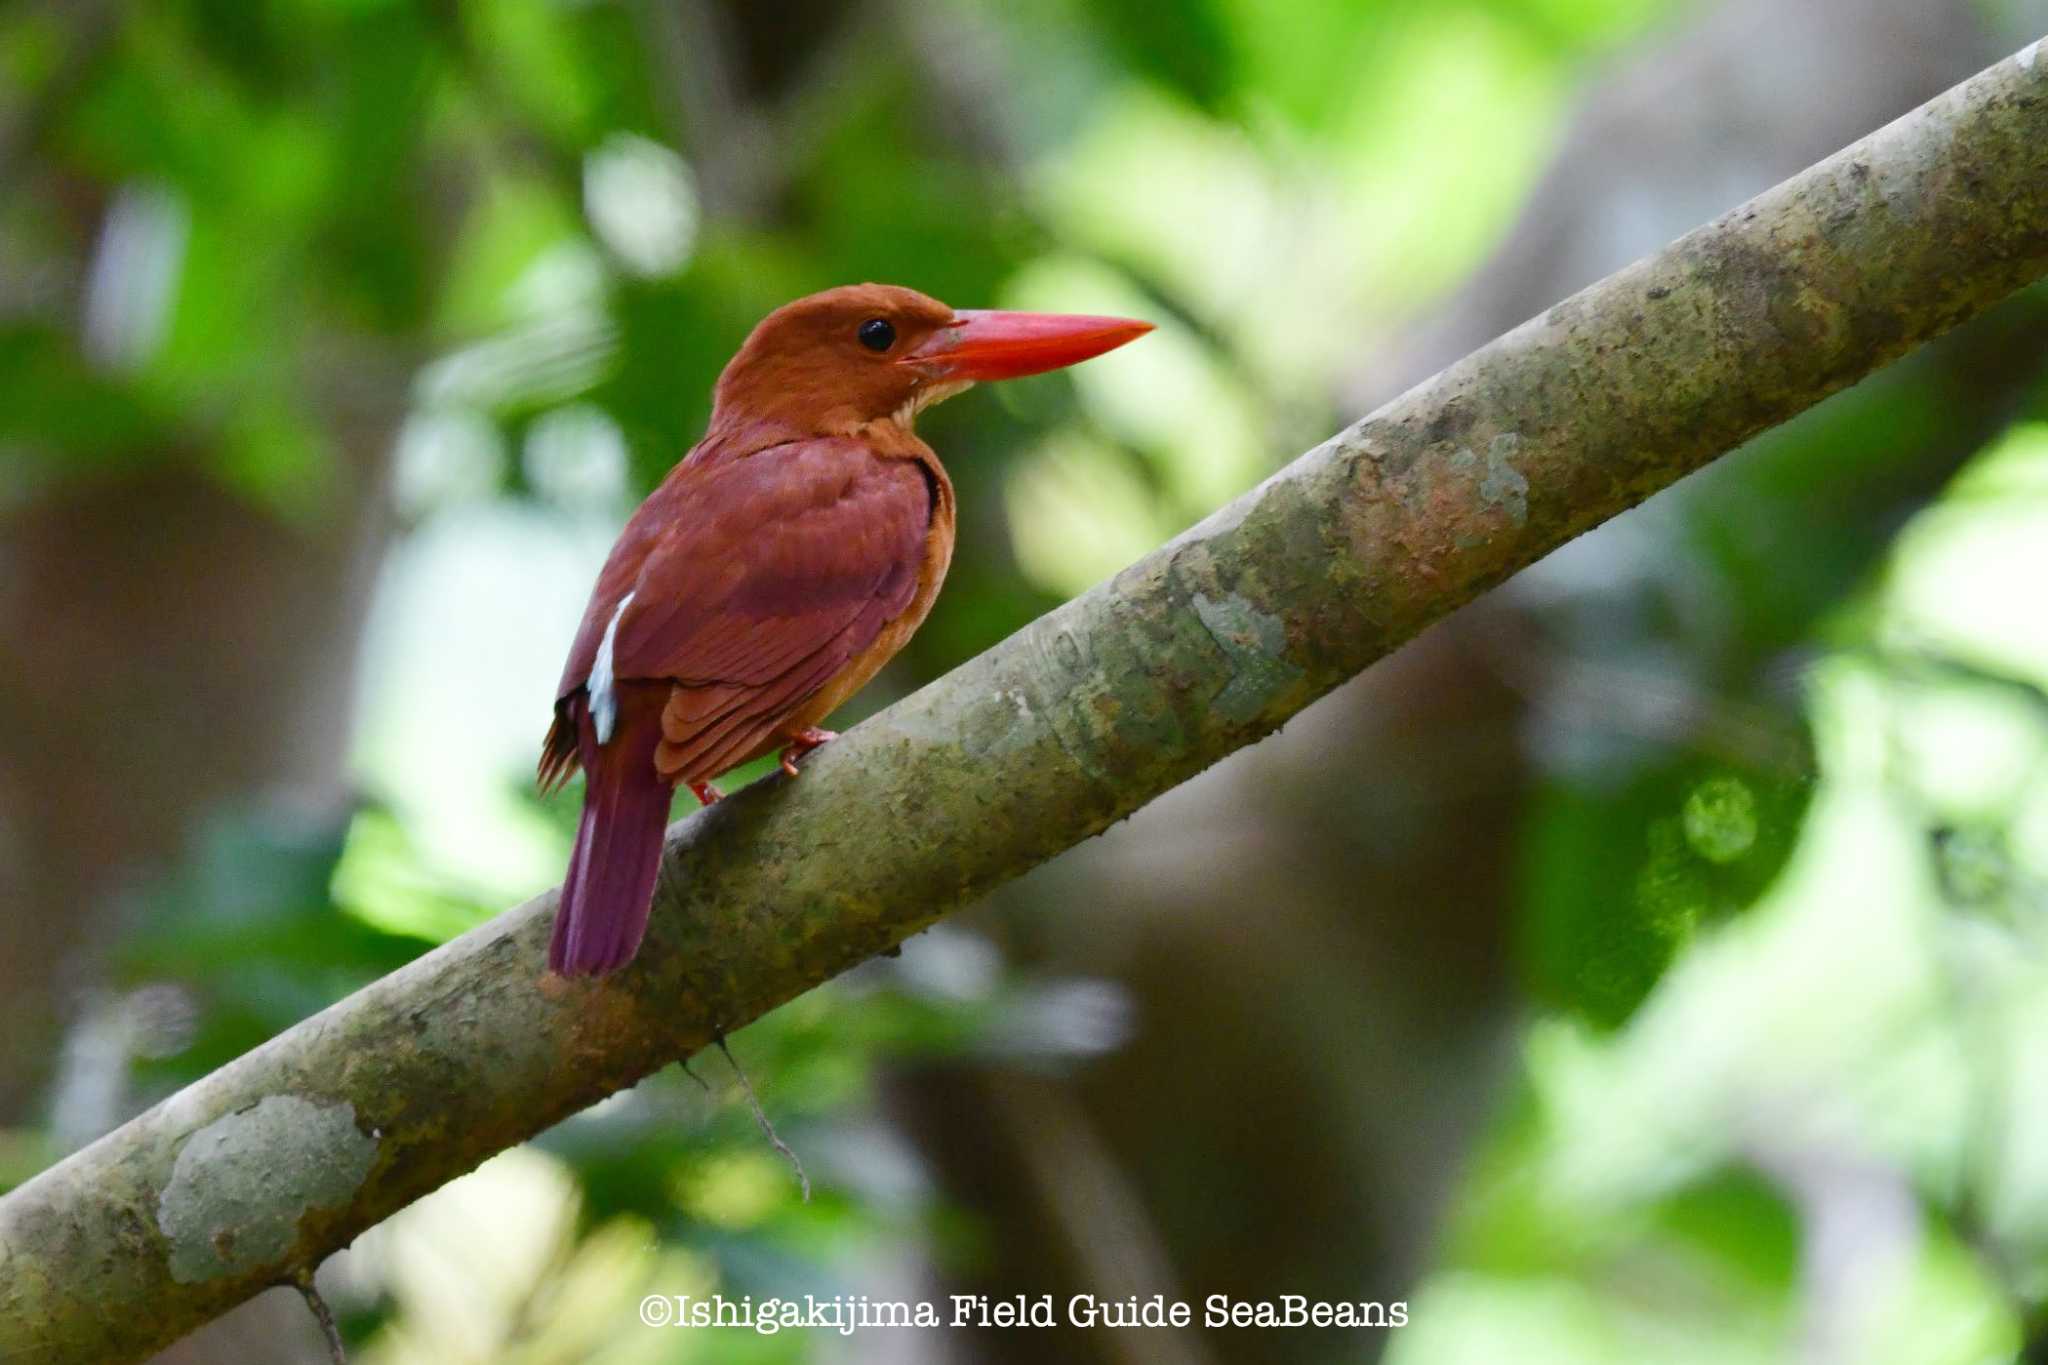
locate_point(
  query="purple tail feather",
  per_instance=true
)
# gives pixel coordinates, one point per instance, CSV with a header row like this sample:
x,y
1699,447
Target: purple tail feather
x,y
603,911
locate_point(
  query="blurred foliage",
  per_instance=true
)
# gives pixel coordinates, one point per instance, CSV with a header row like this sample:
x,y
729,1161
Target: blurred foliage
x,y
1867,1038
1604,922
1764,910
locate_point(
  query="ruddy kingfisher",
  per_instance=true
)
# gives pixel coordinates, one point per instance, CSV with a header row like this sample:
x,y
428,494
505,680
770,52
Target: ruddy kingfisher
x,y
790,555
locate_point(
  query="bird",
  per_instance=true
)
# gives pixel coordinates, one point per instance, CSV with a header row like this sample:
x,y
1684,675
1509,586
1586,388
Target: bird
x,y
787,557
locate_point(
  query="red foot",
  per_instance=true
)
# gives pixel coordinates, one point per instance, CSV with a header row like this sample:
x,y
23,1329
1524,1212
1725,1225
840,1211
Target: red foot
x,y
802,743
706,793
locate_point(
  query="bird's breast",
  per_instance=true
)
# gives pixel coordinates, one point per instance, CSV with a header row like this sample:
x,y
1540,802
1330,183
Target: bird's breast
x,y
896,633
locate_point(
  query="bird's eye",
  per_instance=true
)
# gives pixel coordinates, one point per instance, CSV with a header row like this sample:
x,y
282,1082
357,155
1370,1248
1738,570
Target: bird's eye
x,y
876,334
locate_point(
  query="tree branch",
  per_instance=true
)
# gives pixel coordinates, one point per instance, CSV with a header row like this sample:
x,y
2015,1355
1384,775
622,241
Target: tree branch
x,y
1201,648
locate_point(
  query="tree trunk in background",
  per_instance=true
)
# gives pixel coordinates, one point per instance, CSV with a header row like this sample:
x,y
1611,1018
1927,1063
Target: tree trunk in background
x,y
183,651
204,650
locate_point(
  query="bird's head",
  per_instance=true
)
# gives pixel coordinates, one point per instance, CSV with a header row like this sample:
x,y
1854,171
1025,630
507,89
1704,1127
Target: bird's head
x,y
835,362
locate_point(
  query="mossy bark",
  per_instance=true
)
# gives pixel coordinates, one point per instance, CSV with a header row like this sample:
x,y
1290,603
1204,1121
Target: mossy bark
x,y
1201,648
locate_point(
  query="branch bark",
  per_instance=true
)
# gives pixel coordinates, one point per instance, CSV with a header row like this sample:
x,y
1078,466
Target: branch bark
x,y
1201,648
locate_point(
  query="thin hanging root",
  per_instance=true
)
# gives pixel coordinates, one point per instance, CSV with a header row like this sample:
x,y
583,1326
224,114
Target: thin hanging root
x,y
302,1280
761,1117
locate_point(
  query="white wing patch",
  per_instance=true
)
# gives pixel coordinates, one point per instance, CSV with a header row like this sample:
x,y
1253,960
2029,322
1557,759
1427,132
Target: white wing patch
x,y
604,705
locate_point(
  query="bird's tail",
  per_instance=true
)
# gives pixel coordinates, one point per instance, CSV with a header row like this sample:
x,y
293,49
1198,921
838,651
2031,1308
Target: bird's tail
x,y
603,910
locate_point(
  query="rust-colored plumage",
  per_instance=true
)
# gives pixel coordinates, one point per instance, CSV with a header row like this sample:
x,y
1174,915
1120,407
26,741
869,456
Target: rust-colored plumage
x,y
771,575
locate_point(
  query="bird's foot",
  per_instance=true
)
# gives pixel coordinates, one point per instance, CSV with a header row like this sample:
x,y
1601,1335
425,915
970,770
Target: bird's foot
x,y
706,793
802,743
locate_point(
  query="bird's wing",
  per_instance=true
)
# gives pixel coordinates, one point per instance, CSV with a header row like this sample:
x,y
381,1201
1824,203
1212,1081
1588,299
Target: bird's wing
x,y
770,574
